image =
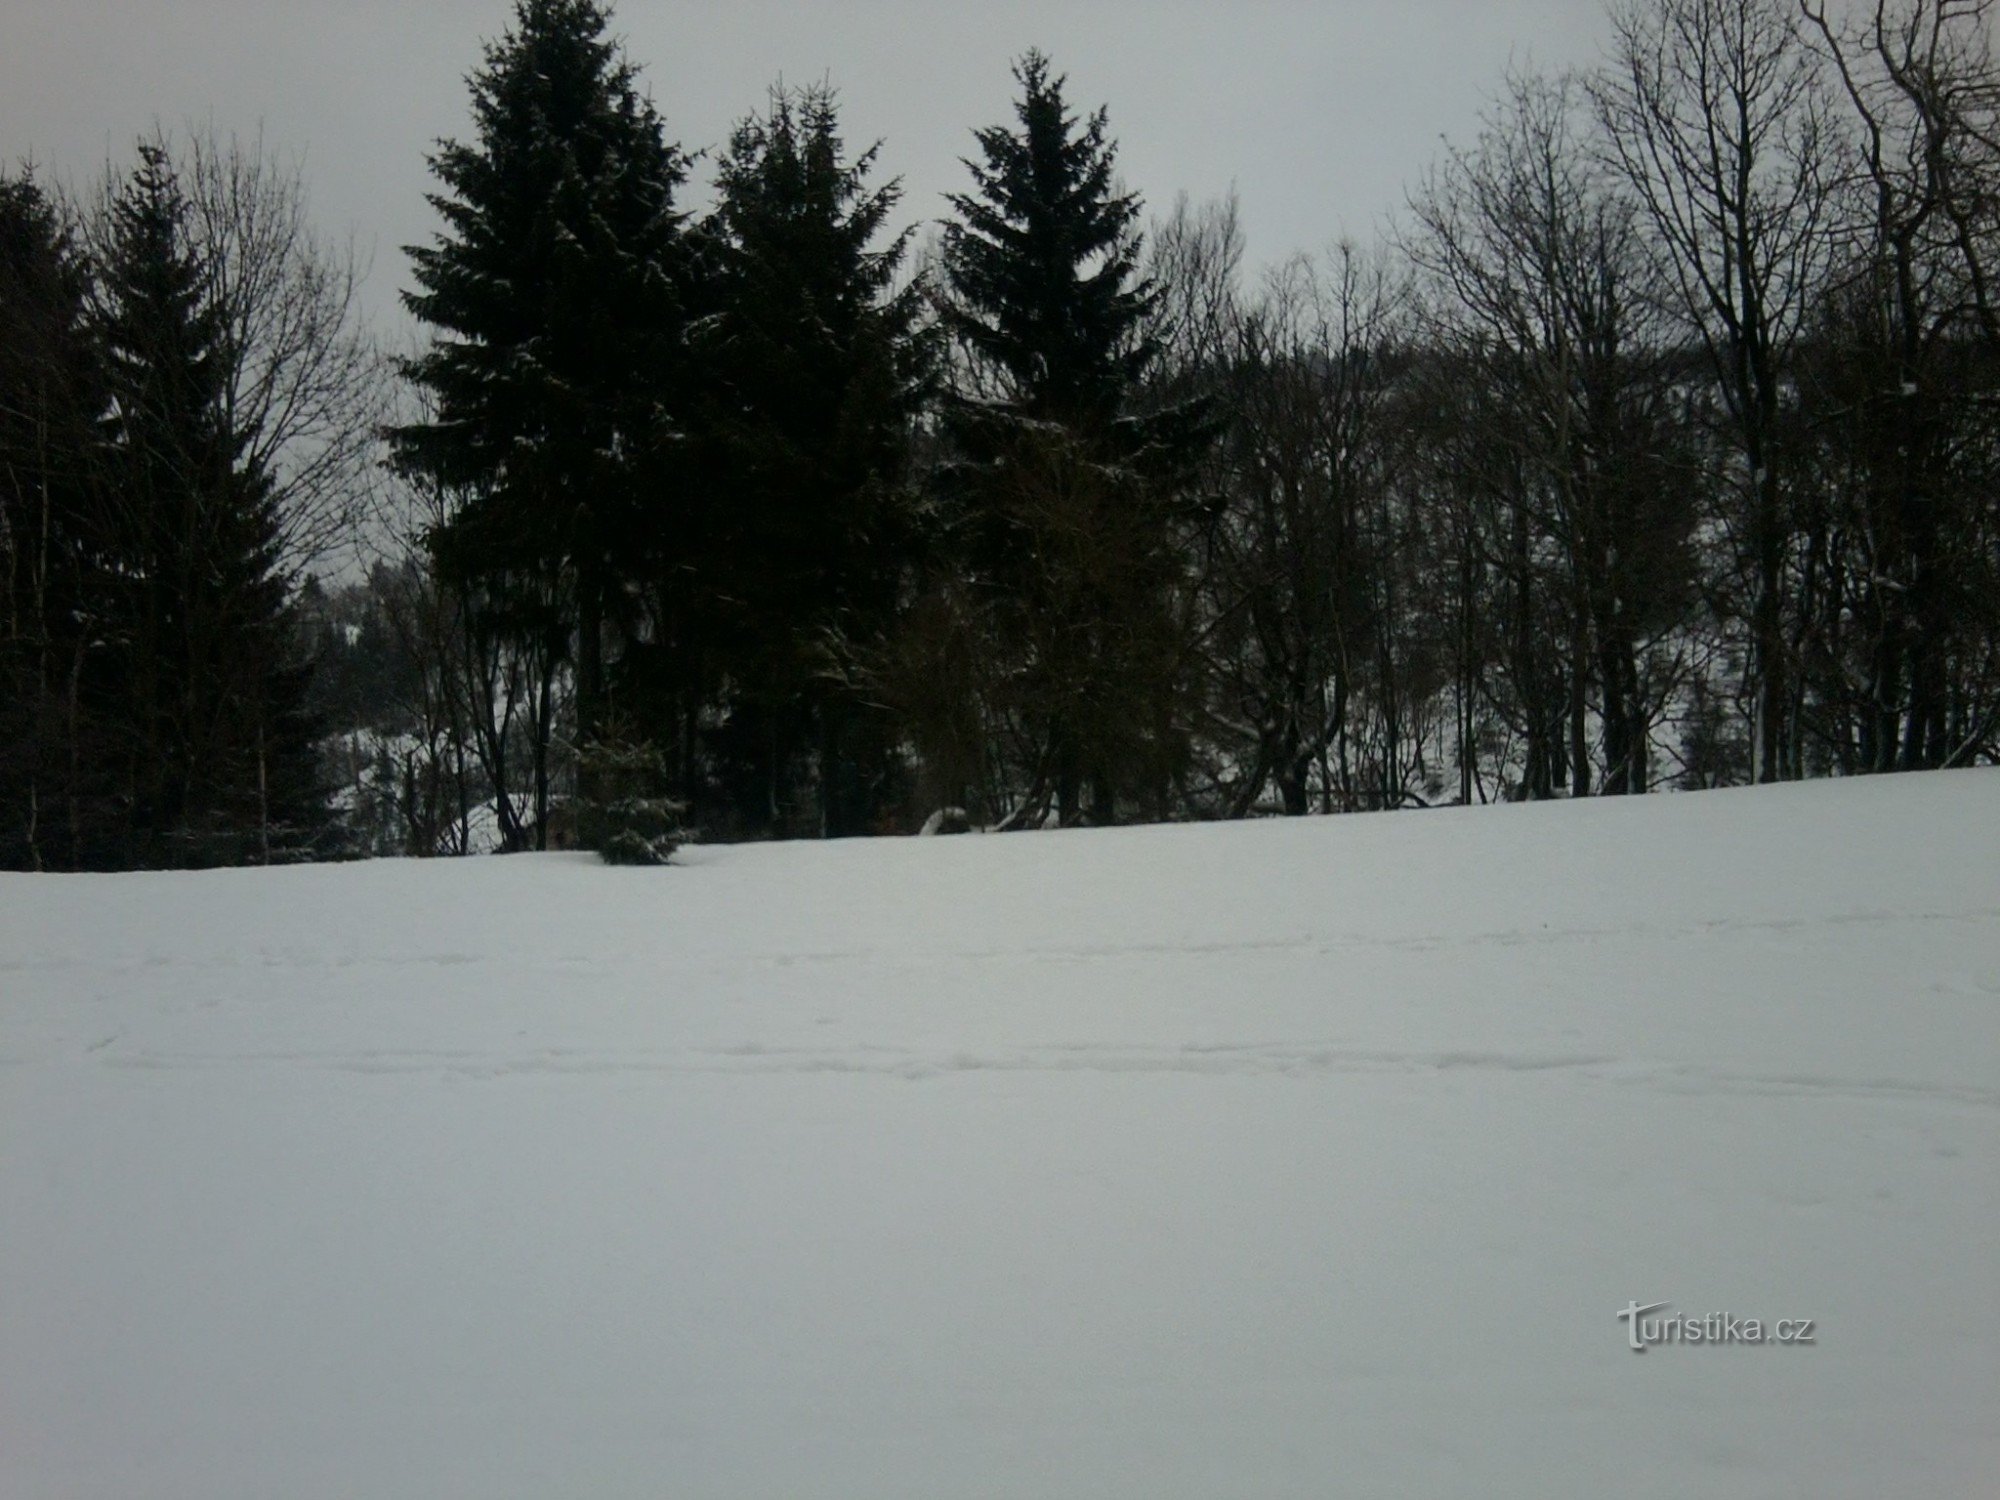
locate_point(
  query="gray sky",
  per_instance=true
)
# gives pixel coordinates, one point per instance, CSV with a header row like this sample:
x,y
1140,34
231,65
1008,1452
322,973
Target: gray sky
x,y
1319,113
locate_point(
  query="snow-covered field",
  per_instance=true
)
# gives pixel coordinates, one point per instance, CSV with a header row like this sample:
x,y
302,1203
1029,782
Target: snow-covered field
x,y
1283,1159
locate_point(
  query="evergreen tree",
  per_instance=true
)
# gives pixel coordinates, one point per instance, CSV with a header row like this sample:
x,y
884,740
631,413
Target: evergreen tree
x,y
816,368
218,759
1067,483
52,400
1043,263
555,295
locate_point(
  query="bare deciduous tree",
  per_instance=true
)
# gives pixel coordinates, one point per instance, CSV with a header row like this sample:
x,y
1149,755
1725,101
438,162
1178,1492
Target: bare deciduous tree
x,y
1539,295
306,387
1901,375
1715,113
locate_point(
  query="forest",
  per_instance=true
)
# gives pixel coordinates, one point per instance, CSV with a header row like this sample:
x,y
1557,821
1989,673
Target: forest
x,y
1654,446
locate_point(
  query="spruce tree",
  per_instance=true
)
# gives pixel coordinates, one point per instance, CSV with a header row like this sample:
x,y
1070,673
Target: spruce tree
x,y
1043,263
555,296
1067,479
815,369
218,760
52,400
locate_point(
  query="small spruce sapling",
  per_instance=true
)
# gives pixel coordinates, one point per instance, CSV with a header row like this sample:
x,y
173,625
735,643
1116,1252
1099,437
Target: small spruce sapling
x,y
628,818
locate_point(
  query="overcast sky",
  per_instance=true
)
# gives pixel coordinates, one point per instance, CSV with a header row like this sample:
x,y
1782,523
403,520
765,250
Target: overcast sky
x,y
1319,113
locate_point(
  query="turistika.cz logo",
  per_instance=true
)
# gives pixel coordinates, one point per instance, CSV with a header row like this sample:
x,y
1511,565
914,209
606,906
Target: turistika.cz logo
x,y
1643,1332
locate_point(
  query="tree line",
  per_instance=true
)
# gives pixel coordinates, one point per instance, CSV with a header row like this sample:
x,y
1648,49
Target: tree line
x,y
1656,444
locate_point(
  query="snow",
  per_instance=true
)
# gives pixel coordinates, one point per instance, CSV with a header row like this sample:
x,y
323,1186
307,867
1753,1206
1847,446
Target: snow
x,y
1279,1159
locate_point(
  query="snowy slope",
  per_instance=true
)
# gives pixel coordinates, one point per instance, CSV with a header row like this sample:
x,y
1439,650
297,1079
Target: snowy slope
x,y
1284,1159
